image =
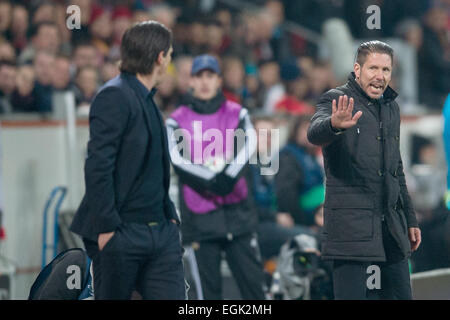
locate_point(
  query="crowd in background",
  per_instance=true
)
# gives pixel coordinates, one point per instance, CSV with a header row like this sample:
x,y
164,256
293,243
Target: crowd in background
x,y
266,68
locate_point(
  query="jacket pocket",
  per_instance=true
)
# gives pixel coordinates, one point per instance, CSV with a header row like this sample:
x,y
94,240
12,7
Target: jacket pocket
x,y
350,217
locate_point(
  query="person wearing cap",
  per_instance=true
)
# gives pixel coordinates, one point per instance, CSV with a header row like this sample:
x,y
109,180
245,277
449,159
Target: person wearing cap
x,y
214,195
128,223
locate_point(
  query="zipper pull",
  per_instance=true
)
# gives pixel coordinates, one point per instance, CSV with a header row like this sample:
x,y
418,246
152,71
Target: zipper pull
x,y
357,130
381,125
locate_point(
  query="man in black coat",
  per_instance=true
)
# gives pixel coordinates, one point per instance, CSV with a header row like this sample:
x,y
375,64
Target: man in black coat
x,y
370,227
126,219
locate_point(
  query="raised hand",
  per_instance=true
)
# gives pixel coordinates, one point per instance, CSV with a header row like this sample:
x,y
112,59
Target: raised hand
x,y
341,116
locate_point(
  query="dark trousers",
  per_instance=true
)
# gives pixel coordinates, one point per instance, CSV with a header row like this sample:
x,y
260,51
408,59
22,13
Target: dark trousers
x,y
350,278
243,258
141,257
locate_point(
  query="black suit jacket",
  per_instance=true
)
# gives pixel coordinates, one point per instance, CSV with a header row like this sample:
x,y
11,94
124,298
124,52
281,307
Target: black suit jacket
x,y
118,150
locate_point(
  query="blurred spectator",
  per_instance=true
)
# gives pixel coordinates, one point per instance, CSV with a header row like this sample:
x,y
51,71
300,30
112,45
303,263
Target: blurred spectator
x,y
61,75
86,85
44,38
274,228
43,90
86,55
166,96
100,29
252,97
273,90
183,66
215,34
280,40
233,77
434,59
164,14
44,12
7,52
108,71
320,81
19,28
7,85
300,180
121,20
410,30
197,40
5,16
22,98
141,16
296,87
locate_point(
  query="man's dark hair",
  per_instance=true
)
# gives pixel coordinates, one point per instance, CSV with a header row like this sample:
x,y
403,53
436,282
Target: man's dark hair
x,y
141,45
374,46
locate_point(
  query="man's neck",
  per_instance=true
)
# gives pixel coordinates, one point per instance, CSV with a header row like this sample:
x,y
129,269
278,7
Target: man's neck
x,y
148,80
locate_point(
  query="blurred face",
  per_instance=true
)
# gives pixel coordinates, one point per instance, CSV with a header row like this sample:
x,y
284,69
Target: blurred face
x,y
320,79
87,81
375,74
205,84
19,20
47,39
183,74
101,27
61,74
5,15
234,75
109,71
43,14
120,25
43,67
276,9
7,79
214,35
140,16
7,52
85,56
25,80
269,73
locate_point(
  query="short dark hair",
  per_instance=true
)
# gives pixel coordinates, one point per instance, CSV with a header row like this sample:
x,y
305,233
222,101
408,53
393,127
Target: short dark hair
x,y
141,45
373,46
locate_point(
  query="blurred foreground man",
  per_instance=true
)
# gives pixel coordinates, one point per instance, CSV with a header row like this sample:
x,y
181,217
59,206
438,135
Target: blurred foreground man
x,y
370,224
126,219
214,193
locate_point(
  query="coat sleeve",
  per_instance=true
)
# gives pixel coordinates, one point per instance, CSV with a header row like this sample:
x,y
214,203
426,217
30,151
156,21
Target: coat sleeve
x,y
320,131
407,203
108,120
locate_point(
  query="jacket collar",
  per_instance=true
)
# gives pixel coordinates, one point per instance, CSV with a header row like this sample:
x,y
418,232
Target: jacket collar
x,y
388,95
141,89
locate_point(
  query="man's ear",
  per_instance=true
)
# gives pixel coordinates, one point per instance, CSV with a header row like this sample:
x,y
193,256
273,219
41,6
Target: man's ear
x,y
161,57
357,70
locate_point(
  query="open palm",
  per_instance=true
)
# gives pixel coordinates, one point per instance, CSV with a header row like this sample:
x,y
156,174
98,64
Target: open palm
x,y
341,116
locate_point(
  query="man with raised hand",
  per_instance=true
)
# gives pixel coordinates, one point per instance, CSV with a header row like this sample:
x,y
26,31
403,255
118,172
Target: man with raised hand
x,y
368,214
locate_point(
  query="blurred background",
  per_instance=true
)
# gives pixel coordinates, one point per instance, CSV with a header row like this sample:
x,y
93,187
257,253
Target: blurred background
x,y
277,58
